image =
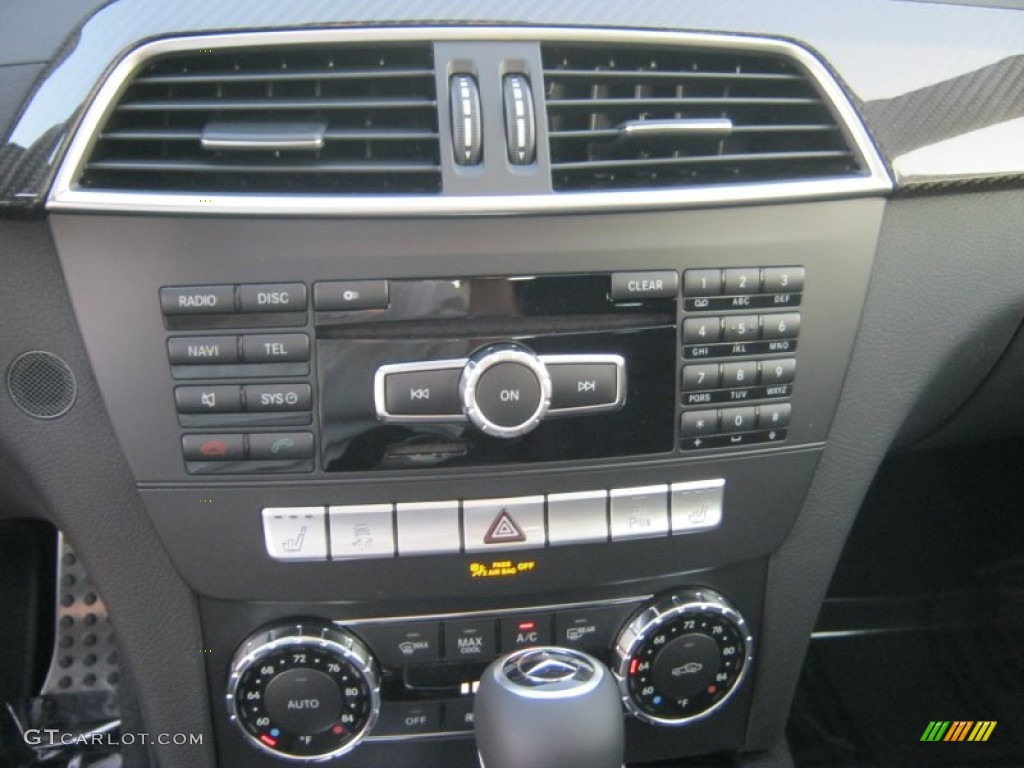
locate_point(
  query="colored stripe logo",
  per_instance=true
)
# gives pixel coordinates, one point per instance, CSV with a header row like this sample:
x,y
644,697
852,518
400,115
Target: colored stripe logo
x,y
958,730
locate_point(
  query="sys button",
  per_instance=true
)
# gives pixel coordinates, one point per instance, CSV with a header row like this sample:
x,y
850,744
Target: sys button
x,y
423,393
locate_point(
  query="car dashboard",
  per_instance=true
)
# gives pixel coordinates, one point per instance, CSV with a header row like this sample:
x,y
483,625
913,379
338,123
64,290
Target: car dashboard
x,y
349,347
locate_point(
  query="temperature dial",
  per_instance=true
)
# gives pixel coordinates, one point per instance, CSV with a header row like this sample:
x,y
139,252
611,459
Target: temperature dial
x,y
682,658
304,691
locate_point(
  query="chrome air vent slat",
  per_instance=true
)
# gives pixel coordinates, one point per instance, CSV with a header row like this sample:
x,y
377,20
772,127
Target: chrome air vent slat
x,y
363,103
235,121
781,125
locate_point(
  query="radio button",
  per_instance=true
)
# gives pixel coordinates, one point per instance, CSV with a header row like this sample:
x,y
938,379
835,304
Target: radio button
x,y
278,397
216,399
429,527
363,530
628,286
576,518
503,523
423,393
351,295
277,297
639,512
281,446
198,300
583,385
276,348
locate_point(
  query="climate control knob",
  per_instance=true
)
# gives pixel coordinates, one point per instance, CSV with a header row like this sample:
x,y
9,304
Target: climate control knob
x,y
505,390
303,691
682,658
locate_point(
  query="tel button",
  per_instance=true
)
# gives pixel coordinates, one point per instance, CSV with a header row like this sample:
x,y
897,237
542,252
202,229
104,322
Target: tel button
x,y
276,348
281,446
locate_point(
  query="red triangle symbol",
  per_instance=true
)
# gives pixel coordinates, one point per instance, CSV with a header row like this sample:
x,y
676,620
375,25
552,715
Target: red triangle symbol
x,y
504,530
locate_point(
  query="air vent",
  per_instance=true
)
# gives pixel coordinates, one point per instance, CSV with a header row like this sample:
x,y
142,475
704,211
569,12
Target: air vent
x,y
646,117
339,119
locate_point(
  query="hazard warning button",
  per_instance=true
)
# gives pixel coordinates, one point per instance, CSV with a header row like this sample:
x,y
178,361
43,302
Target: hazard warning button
x,y
491,524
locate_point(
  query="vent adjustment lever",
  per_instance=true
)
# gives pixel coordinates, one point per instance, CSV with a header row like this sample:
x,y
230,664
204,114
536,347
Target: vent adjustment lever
x,y
520,124
467,124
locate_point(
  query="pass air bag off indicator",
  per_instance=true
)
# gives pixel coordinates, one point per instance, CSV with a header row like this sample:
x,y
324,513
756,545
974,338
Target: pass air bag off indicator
x,y
304,691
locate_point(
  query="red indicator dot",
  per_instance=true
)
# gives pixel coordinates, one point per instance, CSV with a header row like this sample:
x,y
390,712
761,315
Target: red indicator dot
x,y
527,626
712,689
269,741
337,730
633,665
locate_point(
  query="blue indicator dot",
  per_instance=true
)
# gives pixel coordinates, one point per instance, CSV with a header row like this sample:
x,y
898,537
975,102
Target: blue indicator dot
x,y
274,732
657,700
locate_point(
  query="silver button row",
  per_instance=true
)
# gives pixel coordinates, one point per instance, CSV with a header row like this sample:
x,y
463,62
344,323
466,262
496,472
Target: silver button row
x,y
524,522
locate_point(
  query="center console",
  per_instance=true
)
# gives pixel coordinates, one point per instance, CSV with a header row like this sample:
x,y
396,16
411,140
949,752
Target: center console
x,y
383,455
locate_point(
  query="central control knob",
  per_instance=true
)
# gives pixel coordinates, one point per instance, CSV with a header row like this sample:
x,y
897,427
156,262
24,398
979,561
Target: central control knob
x,y
505,390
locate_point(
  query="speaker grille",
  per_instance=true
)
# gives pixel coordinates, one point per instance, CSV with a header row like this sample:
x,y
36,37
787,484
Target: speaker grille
x,y
42,385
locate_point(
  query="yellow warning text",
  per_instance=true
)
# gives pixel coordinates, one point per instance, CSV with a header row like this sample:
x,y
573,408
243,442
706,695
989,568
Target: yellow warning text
x,y
500,568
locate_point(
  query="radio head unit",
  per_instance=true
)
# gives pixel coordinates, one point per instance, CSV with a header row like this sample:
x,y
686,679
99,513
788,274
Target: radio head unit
x,y
497,370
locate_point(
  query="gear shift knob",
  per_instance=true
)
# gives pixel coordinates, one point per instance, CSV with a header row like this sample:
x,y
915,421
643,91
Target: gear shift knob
x,y
549,708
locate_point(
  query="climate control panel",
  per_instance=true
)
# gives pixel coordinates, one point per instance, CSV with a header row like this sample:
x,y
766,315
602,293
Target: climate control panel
x,y
315,690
